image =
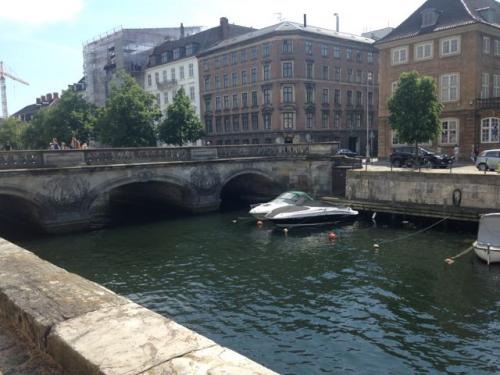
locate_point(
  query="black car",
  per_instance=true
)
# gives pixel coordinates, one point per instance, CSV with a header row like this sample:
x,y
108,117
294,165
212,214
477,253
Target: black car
x,y
347,152
406,157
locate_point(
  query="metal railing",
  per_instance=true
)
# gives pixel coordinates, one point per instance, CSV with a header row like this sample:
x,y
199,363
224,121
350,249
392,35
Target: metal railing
x,y
490,103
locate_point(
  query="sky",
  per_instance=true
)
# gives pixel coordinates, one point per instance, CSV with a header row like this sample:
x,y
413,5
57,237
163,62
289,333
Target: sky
x,y
41,41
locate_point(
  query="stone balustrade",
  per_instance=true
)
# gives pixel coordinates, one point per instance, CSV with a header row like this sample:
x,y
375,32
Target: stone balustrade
x,y
107,156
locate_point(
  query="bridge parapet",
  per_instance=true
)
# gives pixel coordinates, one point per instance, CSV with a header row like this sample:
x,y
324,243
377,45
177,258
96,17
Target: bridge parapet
x,y
108,156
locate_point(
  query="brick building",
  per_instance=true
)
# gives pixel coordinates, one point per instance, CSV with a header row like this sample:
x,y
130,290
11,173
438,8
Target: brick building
x,y
457,42
290,83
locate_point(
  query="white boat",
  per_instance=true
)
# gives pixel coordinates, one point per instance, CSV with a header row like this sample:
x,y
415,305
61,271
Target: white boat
x,y
487,246
295,216
289,198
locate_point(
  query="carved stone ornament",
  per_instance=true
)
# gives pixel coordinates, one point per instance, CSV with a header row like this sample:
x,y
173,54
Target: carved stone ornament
x,y
66,191
206,179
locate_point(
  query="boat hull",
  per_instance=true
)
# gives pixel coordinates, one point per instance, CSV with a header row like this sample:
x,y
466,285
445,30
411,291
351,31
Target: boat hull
x,y
491,255
311,221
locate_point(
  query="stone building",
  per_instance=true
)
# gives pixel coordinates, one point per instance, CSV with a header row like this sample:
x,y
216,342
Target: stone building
x,y
126,49
173,64
458,44
289,83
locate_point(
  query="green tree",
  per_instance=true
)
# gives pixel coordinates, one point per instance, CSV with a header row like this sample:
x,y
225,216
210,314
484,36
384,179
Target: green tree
x,y
182,124
11,131
130,115
70,116
415,109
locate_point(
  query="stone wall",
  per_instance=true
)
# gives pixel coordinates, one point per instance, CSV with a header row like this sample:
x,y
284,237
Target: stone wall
x,y
88,329
477,191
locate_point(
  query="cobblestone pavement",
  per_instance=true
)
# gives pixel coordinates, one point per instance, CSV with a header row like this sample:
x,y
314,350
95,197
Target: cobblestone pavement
x,y
17,359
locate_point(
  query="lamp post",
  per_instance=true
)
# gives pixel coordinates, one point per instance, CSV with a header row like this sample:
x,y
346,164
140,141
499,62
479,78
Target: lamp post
x,y
368,80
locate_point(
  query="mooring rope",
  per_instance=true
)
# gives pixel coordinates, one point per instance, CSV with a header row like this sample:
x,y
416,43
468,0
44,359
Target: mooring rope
x,y
412,234
451,260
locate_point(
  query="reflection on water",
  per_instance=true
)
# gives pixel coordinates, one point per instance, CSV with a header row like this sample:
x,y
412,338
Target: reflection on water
x,y
300,304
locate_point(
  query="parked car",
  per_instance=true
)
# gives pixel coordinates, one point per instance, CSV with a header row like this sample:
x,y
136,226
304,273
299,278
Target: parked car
x,y
347,152
406,157
488,160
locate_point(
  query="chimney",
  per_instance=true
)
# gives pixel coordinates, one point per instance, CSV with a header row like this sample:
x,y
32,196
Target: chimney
x,y
224,28
38,101
44,100
305,20
182,30
337,28
49,97
56,95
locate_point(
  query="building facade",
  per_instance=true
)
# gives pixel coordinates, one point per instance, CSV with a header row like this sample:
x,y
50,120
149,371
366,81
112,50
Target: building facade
x,y
458,44
126,49
290,83
173,64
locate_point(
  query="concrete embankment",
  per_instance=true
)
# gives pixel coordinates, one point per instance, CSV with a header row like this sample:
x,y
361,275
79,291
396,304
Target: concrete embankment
x,y
88,329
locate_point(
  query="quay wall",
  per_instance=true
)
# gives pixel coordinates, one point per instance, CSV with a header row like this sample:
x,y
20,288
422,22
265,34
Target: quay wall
x,y
481,192
88,329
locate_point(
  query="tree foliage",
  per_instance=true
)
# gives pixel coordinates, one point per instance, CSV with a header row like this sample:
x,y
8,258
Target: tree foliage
x,y
415,109
70,116
182,124
11,131
128,119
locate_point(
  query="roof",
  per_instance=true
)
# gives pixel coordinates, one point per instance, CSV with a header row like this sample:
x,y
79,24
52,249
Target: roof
x,y
288,26
451,14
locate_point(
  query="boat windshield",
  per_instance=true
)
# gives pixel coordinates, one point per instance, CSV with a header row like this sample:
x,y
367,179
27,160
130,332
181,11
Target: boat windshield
x,y
294,197
488,230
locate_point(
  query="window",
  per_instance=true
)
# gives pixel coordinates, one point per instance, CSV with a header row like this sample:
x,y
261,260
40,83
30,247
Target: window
x,y
308,47
164,76
287,69
234,79
244,78
325,118
218,125
325,97
369,57
357,118
359,57
485,85
236,123
266,50
288,120
370,98
423,51
224,60
254,98
254,75
450,46
234,58
266,72
324,50
496,85
429,17
359,98
227,124
208,104
338,72
217,82
207,83
191,93
489,130
486,45
191,70
287,94
450,87
226,81
399,55
208,125
172,74
326,72
181,72
165,97
267,121
310,120
267,96
336,97
244,122
244,100
158,99
449,135
349,97
309,94
235,101
350,120
218,104
177,53
497,48
253,53
336,52
309,70
350,77
226,102
337,118
243,55
359,74
255,121
149,80
349,54
394,87
287,46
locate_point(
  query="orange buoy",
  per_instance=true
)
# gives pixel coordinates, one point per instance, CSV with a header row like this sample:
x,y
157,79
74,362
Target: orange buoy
x,y
332,236
259,223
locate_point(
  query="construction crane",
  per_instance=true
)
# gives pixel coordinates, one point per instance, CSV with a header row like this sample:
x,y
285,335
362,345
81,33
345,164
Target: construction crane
x,y
3,88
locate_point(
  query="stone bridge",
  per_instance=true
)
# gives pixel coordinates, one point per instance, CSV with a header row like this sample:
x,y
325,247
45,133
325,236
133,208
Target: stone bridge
x,y
71,190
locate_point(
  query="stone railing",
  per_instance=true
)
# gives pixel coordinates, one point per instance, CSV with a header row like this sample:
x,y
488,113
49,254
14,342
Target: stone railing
x,y
108,156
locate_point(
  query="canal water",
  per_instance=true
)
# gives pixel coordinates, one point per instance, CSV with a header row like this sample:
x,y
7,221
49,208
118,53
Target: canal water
x,y
300,304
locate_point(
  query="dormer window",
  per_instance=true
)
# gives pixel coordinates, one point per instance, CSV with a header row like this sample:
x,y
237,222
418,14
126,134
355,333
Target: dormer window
x,y
487,14
429,17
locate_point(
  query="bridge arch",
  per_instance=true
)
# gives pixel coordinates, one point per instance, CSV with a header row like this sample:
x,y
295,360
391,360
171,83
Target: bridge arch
x,y
21,210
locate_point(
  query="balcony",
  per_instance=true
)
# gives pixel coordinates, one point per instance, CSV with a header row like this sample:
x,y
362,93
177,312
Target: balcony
x,y
166,85
490,103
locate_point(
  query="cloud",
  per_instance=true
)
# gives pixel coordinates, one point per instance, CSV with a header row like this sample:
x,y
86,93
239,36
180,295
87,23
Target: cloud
x,y
39,12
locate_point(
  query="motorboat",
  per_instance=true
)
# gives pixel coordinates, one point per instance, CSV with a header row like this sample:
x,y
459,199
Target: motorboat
x,y
309,215
289,198
487,246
